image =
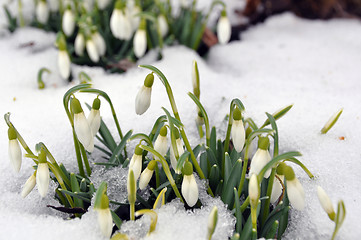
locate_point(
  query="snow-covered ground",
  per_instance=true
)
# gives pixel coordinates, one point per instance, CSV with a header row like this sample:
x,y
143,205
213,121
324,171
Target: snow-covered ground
x,y
313,64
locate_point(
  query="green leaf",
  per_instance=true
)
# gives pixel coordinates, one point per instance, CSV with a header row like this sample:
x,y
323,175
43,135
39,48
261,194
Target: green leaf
x,y
118,222
278,114
340,217
231,182
204,164
237,213
102,189
331,122
182,159
275,215
120,147
213,141
227,167
75,188
83,196
214,176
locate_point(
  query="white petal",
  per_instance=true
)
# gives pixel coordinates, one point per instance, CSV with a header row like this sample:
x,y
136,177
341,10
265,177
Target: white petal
x,y
253,190
145,178
238,135
94,121
29,186
163,25
296,194
42,12
114,23
105,221
42,178
224,30
136,165
83,131
276,189
126,27
140,43
259,160
79,44
142,101
161,145
15,154
68,22
173,160
99,43
325,200
190,190
92,50
64,64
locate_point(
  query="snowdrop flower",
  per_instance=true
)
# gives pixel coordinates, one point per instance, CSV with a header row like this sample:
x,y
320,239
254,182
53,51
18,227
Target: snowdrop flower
x,y
140,40
136,162
53,5
102,4
253,190
189,185
105,219
147,174
200,119
224,28
142,101
212,222
237,130
63,57
99,43
326,203
92,50
14,149
94,117
161,143
180,149
81,126
68,22
119,23
295,191
79,44
42,12
162,25
42,174
29,185
261,157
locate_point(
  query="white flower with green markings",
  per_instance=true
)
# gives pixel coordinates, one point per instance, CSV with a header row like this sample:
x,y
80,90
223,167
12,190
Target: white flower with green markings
x,y
161,143
143,99
237,131
224,30
140,40
179,145
92,50
42,174
147,174
29,185
261,157
120,24
189,185
42,12
68,21
14,149
136,162
326,203
79,44
105,219
94,117
295,191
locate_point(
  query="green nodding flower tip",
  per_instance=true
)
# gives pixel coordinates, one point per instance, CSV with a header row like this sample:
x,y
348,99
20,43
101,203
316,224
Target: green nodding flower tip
x,y
60,41
163,131
200,114
281,168
248,131
224,12
42,156
151,165
143,24
263,143
187,169
75,106
149,80
12,133
138,150
176,133
118,5
289,173
237,115
104,203
96,104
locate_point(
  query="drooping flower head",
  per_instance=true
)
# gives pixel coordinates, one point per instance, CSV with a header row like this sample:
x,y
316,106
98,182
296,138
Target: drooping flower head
x,y
237,130
161,143
295,191
142,101
92,50
81,126
140,40
136,162
212,222
42,12
261,157
105,219
278,182
99,43
189,185
68,21
224,28
42,174
162,25
180,150
94,117
147,174
79,44
63,56
120,24
29,185
14,149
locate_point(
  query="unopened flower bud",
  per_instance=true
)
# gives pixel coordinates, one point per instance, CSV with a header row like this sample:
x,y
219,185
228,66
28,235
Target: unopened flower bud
x,y
224,28
237,131
189,185
14,149
143,99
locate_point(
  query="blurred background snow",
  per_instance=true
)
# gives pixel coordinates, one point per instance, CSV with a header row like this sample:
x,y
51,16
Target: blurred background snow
x,y
313,64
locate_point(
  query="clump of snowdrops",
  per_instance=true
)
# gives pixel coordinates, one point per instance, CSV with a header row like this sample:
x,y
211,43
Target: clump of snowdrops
x,y
113,34
246,169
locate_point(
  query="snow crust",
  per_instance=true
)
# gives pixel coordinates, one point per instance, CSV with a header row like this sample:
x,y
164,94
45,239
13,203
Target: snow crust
x,y
313,64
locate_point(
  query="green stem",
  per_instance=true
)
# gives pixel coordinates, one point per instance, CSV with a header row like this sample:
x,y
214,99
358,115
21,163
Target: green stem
x,y
85,159
245,204
78,155
268,199
132,210
176,115
243,176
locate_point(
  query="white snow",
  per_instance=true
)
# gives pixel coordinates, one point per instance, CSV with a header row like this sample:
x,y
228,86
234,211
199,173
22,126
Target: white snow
x,y
313,64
